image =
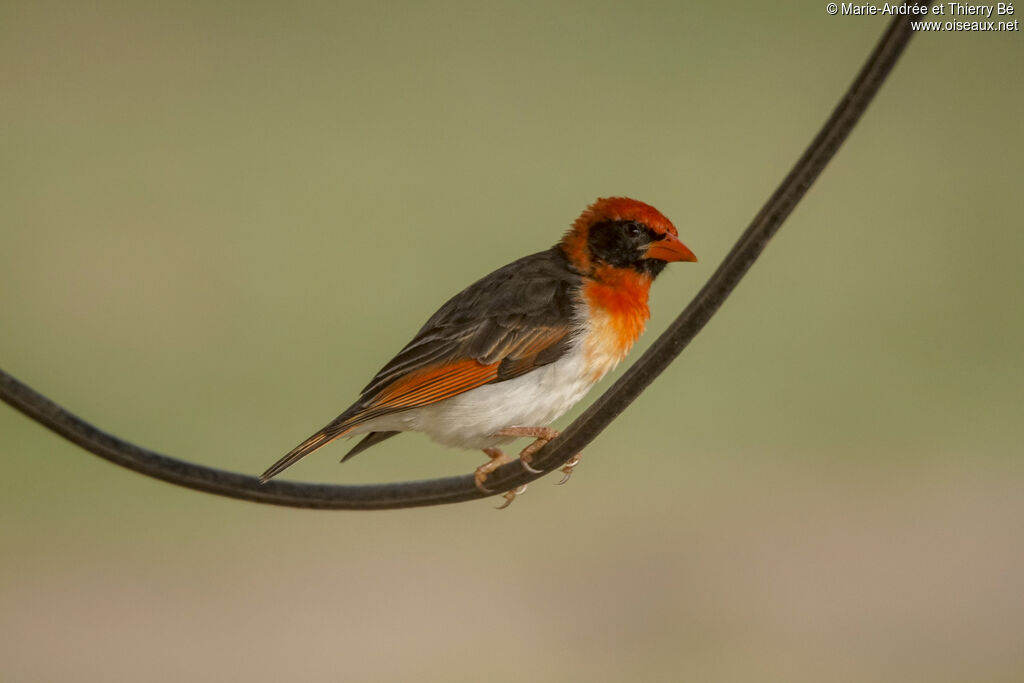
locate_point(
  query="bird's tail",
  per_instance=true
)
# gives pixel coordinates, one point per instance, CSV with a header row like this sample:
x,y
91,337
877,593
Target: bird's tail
x,y
326,435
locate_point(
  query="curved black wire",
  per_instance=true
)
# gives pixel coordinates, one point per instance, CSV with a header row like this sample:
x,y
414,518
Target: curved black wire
x,y
582,431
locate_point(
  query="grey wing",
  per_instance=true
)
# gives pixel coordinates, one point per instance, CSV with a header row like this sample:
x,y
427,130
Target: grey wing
x,y
520,315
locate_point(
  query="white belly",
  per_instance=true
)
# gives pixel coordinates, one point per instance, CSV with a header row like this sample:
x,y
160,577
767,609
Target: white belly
x,y
470,419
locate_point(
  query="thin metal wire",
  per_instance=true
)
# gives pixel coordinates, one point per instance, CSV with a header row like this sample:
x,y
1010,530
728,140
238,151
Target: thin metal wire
x,y
582,431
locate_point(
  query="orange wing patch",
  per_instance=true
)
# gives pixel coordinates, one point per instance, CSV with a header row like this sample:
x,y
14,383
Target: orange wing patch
x,y
435,384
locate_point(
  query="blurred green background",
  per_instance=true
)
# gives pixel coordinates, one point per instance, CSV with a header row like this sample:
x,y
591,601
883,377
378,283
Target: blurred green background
x,y
217,220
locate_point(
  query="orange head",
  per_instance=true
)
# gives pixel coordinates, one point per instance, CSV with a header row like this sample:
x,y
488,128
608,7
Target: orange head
x,y
618,232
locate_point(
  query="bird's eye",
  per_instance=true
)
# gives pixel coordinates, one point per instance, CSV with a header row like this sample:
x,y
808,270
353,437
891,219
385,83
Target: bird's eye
x,y
633,229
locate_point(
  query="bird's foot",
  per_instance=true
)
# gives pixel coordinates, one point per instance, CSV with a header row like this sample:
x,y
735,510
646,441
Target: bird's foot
x,y
543,436
568,467
497,459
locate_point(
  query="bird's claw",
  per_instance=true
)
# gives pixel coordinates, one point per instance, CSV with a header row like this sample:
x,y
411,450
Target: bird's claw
x,y
525,461
568,467
511,495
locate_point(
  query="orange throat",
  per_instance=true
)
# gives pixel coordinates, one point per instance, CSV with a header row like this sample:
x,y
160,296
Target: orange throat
x,y
617,305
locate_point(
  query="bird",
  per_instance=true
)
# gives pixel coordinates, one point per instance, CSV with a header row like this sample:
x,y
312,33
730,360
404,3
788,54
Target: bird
x,y
512,352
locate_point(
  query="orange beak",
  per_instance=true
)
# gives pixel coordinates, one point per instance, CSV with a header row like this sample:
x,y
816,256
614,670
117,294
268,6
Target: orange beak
x,y
669,248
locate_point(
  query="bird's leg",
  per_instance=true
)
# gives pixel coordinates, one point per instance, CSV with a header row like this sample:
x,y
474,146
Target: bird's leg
x,y
543,436
498,458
